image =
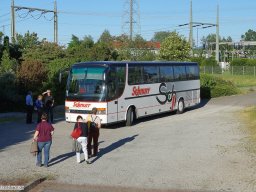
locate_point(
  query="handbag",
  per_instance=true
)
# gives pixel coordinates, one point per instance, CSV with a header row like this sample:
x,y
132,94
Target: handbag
x,y
34,148
76,132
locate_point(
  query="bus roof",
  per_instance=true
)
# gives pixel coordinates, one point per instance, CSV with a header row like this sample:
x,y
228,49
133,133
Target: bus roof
x,y
132,62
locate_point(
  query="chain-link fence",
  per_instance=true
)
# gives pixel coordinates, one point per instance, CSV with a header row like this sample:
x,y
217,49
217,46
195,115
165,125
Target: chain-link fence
x,y
233,70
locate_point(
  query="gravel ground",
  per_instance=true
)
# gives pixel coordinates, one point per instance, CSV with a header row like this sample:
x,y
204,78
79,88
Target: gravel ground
x,y
203,149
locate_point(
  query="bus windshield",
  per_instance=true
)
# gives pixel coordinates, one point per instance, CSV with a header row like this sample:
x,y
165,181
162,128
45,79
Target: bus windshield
x,y
87,83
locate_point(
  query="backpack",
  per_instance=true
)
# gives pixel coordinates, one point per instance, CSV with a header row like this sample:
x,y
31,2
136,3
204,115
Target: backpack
x,y
92,127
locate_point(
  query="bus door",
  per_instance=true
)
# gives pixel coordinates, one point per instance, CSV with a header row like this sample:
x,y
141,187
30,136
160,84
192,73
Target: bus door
x,y
112,115
115,87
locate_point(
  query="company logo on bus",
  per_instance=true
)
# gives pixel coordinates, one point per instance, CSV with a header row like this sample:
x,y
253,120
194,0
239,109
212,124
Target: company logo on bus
x,y
78,104
169,94
137,91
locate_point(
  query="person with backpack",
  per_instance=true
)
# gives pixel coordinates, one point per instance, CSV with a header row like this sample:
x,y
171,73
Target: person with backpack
x,y
94,125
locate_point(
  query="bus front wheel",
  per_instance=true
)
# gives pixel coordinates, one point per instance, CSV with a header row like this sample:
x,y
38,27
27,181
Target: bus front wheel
x,y
130,117
181,106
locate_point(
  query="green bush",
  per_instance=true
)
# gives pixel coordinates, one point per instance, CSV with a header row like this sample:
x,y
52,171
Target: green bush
x,y
215,87
9,96
243,62
209,62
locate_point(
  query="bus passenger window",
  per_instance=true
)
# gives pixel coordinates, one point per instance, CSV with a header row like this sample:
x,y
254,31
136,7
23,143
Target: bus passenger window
x,y
166,73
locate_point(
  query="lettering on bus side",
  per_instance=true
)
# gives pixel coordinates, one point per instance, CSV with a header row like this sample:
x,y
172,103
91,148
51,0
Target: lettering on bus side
x,y
78,104
137,91
169,94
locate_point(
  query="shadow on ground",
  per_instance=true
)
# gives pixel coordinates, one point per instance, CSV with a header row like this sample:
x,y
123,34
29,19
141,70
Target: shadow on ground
x,y
114,146
14,130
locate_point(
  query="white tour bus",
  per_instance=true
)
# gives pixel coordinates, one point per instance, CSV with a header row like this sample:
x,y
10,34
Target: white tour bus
x,y
126,91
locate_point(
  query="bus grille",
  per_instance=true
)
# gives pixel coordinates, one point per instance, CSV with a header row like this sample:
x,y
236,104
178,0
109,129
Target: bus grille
x,y
80,111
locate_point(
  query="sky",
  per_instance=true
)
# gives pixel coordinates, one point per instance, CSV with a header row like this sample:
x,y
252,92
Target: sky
x,y
91,17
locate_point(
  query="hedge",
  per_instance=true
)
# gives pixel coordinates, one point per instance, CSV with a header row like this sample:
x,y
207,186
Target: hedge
x,y
216,87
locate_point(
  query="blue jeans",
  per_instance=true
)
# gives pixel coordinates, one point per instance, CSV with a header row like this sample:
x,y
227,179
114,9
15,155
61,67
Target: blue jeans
x,y
46,146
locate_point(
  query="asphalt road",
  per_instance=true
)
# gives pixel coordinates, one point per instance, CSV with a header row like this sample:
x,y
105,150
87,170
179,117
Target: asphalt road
x,y
203,149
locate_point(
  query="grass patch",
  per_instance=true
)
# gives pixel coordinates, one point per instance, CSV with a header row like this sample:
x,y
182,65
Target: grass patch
x,y
248,116
239,81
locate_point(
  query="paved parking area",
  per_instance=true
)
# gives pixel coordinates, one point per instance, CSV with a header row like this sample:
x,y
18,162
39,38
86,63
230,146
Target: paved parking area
x,y
200,150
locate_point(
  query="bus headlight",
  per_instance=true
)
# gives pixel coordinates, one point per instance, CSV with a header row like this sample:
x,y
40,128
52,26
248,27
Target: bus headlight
x,y
101,111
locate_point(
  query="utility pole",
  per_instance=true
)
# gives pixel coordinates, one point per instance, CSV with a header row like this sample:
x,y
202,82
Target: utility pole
x,y
131,19
29,9
191,28
217,36
13,33
55,23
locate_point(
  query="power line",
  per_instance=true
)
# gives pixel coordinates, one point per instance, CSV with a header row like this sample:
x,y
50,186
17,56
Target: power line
x,y
29,10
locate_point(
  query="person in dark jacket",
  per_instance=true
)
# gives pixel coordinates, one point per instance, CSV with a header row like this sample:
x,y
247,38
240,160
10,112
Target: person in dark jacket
x,y
82,139
48,104
43,135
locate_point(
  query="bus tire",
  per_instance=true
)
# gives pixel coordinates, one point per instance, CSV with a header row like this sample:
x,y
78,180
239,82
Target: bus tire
x,y
181,106
130,117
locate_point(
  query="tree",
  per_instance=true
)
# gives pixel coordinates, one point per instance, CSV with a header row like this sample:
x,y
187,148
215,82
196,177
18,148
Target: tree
x,y
1,37
6,44
32,74
174,47
87,42
139,42
10,99
160,36
100,52
250,35
8,65
44,52
106,37
29,40
75,42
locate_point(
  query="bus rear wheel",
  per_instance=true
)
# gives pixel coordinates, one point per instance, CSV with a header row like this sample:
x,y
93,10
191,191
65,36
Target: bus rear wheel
x,y
181,106
130,117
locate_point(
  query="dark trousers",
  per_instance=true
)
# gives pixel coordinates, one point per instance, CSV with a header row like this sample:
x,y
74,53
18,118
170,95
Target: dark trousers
x,y
49,112
93,136
29,114
39,115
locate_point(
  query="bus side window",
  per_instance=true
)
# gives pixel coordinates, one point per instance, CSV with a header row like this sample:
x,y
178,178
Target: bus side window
x,y
151,74
166,73
180,73
192,72
111,90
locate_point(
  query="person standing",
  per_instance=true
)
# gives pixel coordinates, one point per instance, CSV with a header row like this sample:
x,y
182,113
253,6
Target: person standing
x,y
43,136
48,104
29,107
94,125
39,107
82,140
